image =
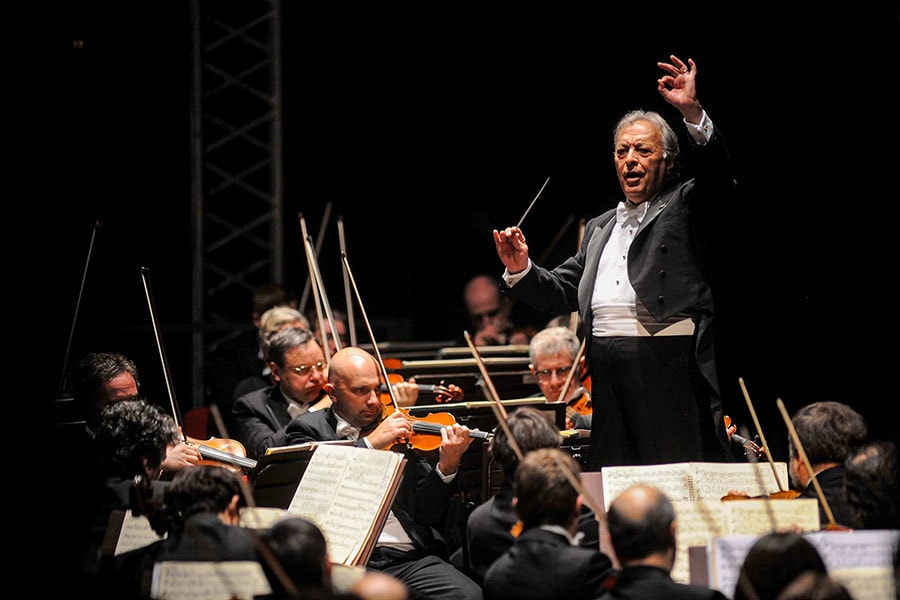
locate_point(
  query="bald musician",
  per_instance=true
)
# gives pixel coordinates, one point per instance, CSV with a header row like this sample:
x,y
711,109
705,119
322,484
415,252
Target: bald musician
x,y
408,547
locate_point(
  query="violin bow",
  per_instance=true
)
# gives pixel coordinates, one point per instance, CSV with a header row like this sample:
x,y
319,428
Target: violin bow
x,y
87,263
320,297
362,311
527,210
312,278
319,240
496,405
206,452
351,324
568,383
176,412
802,453
759,430
501,414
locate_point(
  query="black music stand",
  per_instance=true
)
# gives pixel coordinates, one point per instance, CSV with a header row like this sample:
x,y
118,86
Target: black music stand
x,y
278,472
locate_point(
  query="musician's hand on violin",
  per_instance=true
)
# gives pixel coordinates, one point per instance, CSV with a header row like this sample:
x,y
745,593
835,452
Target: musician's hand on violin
x,y
455,440
392,428
512,249
179,456
406,392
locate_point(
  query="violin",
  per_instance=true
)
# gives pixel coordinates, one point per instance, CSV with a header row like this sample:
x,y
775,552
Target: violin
x,y
748,445
758,452
221,452
443,393
581,405
426,431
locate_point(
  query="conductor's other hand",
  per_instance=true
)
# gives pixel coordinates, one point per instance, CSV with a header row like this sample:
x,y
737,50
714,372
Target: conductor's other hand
x,y
512,249
679,87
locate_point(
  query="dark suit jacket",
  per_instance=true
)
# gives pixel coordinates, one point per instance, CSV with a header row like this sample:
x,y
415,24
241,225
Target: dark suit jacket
x,y
204,538
833,482
422,500
488,530
258,420
665,261
542,564
234,360
649,583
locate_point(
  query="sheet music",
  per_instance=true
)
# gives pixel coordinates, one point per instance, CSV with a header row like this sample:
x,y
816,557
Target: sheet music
x,y
711,481
261,517
858,559
187,580
343,491
695,480
673,479
876,583
135,532
701,521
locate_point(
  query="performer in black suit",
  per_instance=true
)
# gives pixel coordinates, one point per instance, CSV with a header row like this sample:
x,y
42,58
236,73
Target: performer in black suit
x,y
642,525
546,561
409,548
639,284
491,526
830,432
201,517
299,368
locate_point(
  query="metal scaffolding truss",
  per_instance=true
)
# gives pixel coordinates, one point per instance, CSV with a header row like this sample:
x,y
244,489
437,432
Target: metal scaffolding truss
x,y
236,167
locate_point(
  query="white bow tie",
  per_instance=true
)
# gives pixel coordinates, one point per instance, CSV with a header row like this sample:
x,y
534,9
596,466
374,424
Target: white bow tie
x,y
625,211
346,431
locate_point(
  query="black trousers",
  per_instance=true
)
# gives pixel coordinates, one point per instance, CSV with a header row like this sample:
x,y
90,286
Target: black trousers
x,y
427,577
650,404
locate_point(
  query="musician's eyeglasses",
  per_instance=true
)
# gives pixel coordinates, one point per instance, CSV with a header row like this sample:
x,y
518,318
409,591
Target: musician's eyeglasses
x,y
547,374
304,369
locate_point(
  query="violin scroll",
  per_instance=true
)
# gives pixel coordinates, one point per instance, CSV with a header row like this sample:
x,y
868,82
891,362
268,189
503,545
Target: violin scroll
x,y
748,445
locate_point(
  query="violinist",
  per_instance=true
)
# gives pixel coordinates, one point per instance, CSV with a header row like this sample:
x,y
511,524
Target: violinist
x,y
492,526
130,441
274,319
552,353
299,370
99,379
408,547
200,516
829,432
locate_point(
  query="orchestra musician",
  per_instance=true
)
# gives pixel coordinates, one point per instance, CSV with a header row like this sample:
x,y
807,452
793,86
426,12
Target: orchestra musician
x,y
546,560
299,369
129,444
552,353
492,525
639,284
829,432
408,547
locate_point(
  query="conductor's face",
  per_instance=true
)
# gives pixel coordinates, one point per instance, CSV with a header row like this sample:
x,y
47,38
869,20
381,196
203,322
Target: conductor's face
x,y
640,161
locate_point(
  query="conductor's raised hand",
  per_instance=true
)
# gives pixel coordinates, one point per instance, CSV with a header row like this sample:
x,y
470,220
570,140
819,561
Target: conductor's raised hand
x,y
512,249
678,87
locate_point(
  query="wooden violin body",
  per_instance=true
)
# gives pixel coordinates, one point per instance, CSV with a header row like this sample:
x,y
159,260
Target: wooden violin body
x,y
222,452
426,431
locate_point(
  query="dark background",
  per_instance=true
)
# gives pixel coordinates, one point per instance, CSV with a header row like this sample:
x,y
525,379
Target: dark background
x,y
427,128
